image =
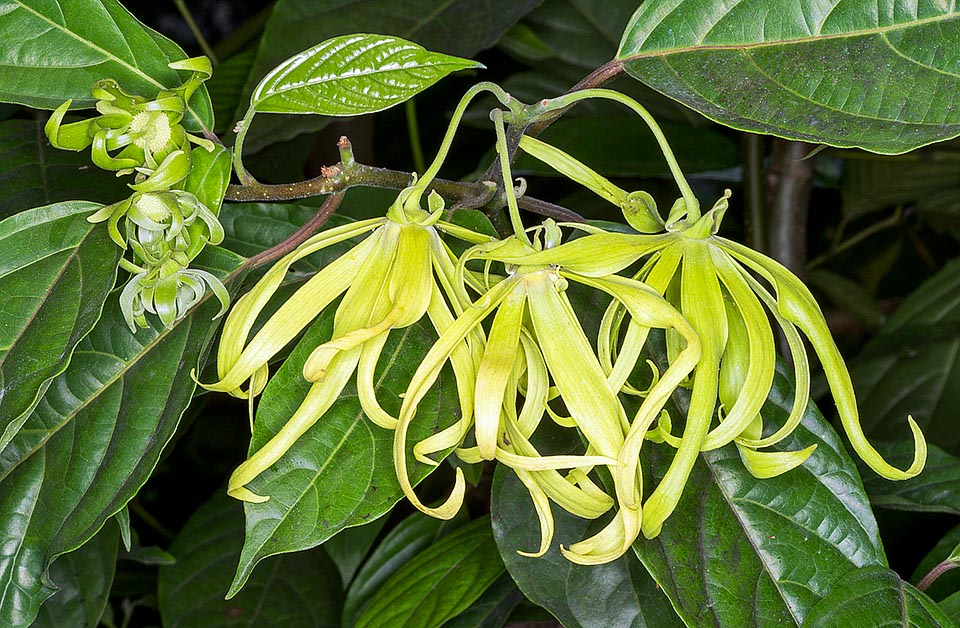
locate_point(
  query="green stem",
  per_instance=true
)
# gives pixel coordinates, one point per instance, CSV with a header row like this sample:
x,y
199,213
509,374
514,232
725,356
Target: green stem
x,y
413,130
471,93
201,40
503,152
692,204
242,127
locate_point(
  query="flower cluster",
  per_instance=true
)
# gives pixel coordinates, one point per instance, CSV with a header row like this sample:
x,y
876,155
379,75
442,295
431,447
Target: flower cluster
x,y
163,222
512,335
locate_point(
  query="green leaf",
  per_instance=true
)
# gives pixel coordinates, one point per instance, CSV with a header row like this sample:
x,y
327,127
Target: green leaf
x,y
300,589
32,174
949,582
93,440
912,367
937,489
740,551
848,295
884,80
620,593
622,146
348,548
352,75
874,184
54,51
295,25
411,536
492,609
83,579
876,596
344,474
439,582
55,272
210,175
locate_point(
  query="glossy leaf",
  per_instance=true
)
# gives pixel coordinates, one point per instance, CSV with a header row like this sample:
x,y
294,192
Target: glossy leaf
x,y
407,539
620,593
301,589
51,51
93,441
876,596
352,75
343,474
937,489
492,609
912,367
883,79
209,175
623,146
296,25
55,272
83,579
34,174
350,547
439,582
739,551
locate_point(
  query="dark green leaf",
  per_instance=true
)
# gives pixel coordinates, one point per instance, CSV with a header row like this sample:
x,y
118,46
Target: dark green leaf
x,y
411,536
492,609
53,51
620,593
93,441
439,582
83,578
937,489
55,272
873,184
913,366
226,87
301,589
348,548
739,551
33,174
344,473
623,146
351,75
876,596
848,295
948,583
885,79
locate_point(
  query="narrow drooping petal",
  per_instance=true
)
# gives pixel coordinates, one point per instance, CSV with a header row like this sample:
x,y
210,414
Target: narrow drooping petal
x,y
797,305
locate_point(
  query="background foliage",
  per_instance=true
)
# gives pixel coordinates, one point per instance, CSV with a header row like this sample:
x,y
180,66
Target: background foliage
x,y
109,456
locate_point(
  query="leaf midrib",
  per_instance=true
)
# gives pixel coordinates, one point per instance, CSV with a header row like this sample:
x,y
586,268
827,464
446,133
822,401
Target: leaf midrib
x,y
880,30
109,55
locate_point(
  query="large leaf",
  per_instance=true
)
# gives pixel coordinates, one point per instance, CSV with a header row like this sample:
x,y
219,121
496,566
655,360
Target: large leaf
x,y
439,582
739,551
301,589
55,272
492,609
875,596
297,25
343,473
937,489
352,75
33,174
620,593
884,79
83,578
411,536
53,50
93,440
349,548
913,365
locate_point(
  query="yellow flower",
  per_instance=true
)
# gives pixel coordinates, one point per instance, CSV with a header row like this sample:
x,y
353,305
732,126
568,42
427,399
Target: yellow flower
x,y
401,271
551,345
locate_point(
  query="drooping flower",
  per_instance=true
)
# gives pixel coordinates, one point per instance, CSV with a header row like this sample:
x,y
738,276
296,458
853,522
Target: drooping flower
x,y
552,345
401,271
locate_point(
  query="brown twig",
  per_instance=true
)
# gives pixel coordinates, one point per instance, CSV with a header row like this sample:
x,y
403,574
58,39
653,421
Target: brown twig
x,y
790,181
298,237
936,572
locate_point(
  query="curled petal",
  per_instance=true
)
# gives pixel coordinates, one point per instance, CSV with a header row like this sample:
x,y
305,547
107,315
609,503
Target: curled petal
x,y
769,464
